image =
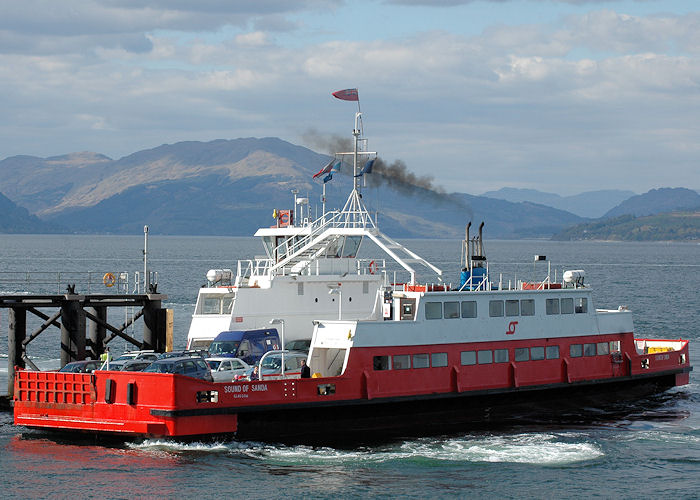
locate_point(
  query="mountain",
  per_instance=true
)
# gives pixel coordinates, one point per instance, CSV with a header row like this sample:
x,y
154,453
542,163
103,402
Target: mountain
x,y
42,183
230,187
673,226
591,204
16,219
657,201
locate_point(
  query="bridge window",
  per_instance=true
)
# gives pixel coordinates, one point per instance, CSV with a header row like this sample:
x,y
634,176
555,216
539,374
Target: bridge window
x,y
567,306
581,305
352,244
500,356
527,307
451,309
438,359
433,310
468,357
552,352
552,306
495,308
469,309
421,361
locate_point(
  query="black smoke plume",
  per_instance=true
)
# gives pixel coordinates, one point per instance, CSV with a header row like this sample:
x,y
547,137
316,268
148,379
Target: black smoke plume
x,y
395,176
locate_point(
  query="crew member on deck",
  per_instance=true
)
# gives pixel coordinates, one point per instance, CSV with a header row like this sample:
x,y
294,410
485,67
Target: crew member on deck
x,y
305,370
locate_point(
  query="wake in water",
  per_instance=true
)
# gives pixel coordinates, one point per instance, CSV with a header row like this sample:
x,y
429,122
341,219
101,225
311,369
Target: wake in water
x,y
530,448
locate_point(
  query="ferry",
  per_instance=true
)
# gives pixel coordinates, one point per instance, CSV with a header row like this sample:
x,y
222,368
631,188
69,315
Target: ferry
x,y
385,357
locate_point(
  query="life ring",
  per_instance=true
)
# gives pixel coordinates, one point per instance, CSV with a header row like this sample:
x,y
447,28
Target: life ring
x,y
109,280
372,267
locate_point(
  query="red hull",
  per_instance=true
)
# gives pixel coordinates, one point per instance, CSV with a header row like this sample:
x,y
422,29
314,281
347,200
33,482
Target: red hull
x,y
153,404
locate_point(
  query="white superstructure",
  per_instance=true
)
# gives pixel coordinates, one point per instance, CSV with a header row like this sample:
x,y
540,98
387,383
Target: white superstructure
x,y
310,271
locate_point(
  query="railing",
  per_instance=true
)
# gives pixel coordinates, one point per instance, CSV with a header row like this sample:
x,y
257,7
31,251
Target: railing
x,y
246,268
371,266
329,219
58,282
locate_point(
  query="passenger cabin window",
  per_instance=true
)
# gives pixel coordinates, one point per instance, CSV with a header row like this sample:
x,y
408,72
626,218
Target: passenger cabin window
x,y
589,349
602,348
438,359
527,307
500,356
575,350
581,305
536,353
512,308
451,310
522,354
552,306
433,310
381,363
495,308
421,361
485,357
469,309
552,352
567,306
614,346
216,304
401,362
468,358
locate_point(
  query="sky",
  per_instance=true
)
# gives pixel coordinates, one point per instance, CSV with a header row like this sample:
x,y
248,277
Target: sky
x,y
563,96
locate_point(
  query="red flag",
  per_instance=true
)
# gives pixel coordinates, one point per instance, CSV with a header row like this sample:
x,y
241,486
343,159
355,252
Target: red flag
x,y
325,169
347,95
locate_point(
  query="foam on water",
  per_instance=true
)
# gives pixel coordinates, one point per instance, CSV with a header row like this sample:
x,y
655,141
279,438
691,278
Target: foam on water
x,y
530,448
163,445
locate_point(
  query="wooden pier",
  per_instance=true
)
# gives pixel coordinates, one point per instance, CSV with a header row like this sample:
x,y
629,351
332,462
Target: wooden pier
x,y
82,320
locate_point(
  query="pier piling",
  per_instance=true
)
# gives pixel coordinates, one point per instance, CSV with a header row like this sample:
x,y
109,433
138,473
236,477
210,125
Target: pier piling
x,y
15,348
75,312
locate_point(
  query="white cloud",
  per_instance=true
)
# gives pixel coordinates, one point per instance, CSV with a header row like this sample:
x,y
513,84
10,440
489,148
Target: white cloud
x,y
601,94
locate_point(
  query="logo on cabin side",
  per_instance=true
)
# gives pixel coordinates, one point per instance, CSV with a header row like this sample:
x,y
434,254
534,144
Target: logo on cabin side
x,y
511,328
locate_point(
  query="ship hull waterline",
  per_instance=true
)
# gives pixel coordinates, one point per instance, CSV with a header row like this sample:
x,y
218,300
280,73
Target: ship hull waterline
x,y
362,420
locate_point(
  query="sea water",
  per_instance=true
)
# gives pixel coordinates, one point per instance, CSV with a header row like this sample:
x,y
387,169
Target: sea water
x,y
642,449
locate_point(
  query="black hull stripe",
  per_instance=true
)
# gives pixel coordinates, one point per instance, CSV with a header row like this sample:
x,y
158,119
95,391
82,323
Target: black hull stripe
x,y
233,410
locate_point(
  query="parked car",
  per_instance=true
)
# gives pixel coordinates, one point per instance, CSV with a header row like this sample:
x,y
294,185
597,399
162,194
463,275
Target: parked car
x,y
148,354
136,365
298,345
248,345
226,369
188,366
192,353
114,365
272,365
86,366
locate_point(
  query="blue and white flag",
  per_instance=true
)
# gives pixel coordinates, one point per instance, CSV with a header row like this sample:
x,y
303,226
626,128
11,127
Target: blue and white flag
x,y
367,169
